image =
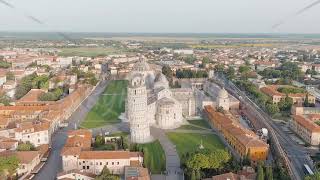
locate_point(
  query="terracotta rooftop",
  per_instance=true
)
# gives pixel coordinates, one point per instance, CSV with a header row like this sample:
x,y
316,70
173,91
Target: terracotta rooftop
x,y
70,151
25,157
108,155
306,123
35,126
32,95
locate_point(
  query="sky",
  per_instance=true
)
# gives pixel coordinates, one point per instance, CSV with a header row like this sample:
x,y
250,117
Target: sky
x,y
161,16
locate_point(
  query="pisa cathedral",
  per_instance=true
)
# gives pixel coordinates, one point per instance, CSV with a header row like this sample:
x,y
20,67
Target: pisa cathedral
x,y
150,102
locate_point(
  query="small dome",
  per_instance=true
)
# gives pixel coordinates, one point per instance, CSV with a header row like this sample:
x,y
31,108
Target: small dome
x,y
223,93
141,66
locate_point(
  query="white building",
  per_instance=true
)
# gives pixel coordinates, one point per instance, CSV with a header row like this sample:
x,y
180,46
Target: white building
x,y
223,100
183,51
76,175
64,61
35,133
94,161
155,105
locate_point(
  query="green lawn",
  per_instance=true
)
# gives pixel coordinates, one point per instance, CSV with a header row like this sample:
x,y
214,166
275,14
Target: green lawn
x,y
190,142
154,157
109,106
189,127
89,52
197,124
200,122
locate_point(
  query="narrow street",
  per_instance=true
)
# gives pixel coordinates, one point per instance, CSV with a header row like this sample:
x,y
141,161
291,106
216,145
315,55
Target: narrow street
x,y
54,162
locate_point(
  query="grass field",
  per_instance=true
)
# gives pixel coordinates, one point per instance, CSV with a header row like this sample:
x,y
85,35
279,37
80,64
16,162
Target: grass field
x,y
89,52
197,124
200,122
109,106
190,142
154,157
215,46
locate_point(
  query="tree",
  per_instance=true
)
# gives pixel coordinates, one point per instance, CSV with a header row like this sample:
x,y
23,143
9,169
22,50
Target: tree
x,y
99,141
10,76
219,68
26,147
4,99
8,165
166,70
230,73
269,175
198,174
316,176
106,175
220,109
285,104
272,108
260,173
244,69
193,175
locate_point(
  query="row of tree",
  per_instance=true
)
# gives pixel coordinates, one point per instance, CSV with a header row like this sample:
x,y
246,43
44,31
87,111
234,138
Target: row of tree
x,y
187,73
197,163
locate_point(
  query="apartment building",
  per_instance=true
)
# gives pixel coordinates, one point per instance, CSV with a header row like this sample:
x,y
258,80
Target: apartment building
x,y
37,132
243,141
276,96
306,128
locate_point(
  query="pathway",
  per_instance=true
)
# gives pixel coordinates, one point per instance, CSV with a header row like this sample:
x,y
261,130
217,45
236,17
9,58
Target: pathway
x,y
173,169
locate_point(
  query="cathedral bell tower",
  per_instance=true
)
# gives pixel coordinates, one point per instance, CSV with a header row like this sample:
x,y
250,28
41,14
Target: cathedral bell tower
x,y
137,107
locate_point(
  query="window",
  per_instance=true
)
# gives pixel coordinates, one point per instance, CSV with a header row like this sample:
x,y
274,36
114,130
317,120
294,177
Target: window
x,y
117,163
83,167
100,163
112,163
87,167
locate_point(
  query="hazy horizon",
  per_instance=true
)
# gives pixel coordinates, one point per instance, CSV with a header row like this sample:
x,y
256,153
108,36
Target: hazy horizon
x,y
167,16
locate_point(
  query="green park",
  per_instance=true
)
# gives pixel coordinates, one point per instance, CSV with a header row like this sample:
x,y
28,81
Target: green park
x,y
109,106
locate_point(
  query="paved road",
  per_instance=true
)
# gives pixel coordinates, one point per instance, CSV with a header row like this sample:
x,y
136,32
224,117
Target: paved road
x,y
54,163
295,154
172,158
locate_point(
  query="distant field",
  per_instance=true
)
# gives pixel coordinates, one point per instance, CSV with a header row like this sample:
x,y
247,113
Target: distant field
x,y
215,46
89,52
109,106
190,142
154,157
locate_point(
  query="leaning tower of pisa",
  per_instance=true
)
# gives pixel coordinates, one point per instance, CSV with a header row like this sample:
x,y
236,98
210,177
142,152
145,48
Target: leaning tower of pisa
x,y
137,107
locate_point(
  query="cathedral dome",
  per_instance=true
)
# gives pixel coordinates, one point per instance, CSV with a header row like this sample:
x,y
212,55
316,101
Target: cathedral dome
x,y
223,94
141,66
